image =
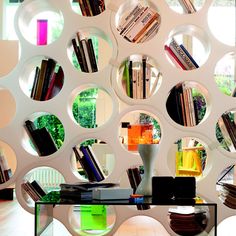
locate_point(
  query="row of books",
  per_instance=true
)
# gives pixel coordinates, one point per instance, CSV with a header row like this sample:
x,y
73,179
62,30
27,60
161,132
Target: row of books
x,y
141,23
228,129
181,106
89,162
5,171
84,52
40,138
137,79
47,81
187,6
34,190
91,7
180,56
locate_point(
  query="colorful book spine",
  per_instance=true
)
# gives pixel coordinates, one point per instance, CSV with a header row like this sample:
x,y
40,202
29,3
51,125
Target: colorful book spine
x,y
189,55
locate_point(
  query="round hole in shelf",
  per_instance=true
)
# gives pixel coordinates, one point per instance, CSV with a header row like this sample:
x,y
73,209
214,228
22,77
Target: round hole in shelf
x,y
188,157
223,28
225,131
89,50
141,224
92,107
183,8
41,23
194,219
42,78
186,103
44,135
131,79
129,27
8,160
92,219
187,47
93,8
225,74
226,186
139,127
7,108
48,178
93,151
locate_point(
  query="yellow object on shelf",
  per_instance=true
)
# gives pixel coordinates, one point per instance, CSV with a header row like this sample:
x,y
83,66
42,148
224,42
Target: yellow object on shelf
x,y
188,163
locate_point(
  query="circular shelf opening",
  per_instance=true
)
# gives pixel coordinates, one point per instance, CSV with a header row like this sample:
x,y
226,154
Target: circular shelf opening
x,y
89,50
93,160
92,219
187,47
188,157
189,220
7,108
186,104
139,77
92,107
225,131
141,224
139,127
8,162
223,28
42,78
225,75
40,23
43,134
185,7
226,186
137,21
40,181
88,8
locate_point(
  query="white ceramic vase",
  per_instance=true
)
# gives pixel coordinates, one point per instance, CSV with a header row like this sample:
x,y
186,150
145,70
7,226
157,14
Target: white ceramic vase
x,y
148,153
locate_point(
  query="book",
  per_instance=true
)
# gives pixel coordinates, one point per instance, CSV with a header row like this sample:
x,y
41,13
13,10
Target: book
x,y
38,188
78,54
84,164
144,65
92,55
36,77
131,79
187,6
91,163
81,48
189,55
40,81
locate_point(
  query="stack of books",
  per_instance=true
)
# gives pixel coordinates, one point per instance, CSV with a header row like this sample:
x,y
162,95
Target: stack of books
x,y
181,106
5,171
227,194
91,7
48,80
141,24
138,79
228,129
180,56
89,163
34,190
84,52
41,139
193,223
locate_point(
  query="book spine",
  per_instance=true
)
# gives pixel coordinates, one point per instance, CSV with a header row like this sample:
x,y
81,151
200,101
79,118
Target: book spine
x,y
175,60
131,78
139,25
129,17
230,126
143,30
82,8
39,86
144,65
94,7
86,7
134,80
133,21
40,191
95,160
92,55
78,54
102,6
175,47
36,77
86,54
89,8
91,163
84,165
189,55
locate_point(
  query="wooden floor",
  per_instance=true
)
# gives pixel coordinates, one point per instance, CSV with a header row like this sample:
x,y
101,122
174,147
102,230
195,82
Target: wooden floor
x,y
14,220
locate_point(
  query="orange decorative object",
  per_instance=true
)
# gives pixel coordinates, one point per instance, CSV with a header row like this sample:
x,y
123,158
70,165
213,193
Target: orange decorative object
x,y
139,134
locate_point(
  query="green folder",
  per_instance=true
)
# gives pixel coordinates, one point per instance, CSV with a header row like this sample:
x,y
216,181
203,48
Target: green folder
x,y
93,217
